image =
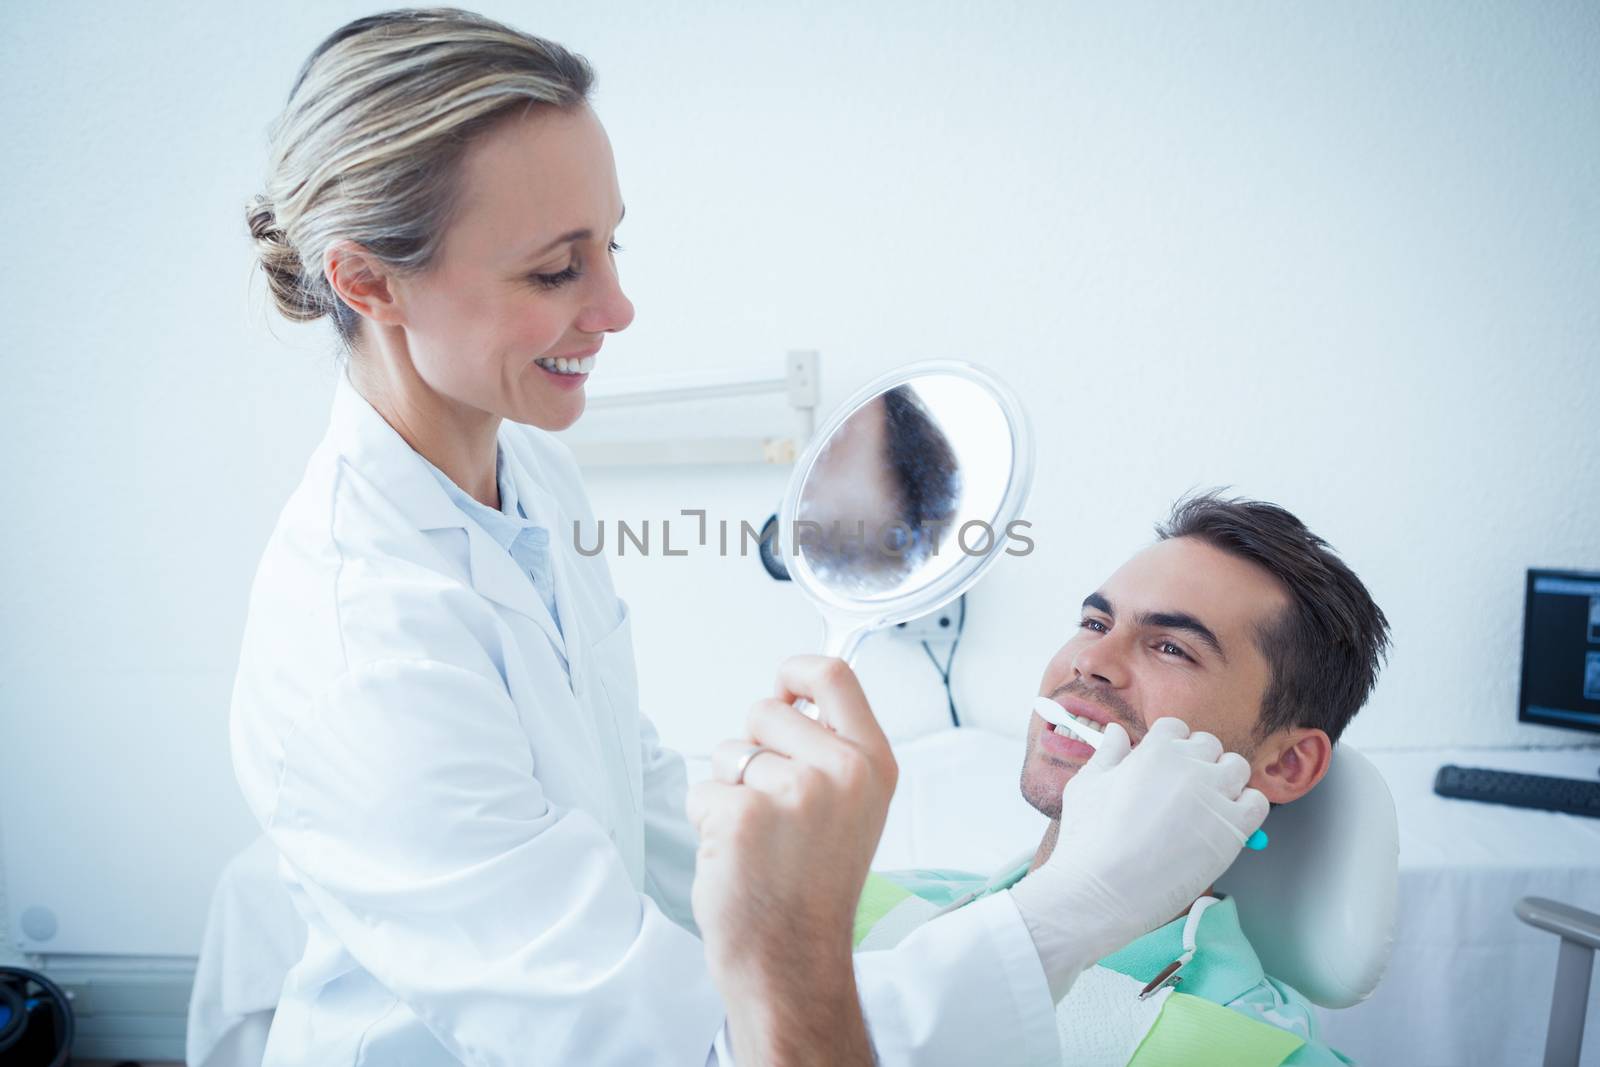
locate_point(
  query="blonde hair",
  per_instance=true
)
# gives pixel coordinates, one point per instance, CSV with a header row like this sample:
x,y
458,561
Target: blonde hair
x,y
368,146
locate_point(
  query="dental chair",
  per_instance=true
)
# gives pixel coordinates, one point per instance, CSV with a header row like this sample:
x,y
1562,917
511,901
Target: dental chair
x,y
253,937
1318,905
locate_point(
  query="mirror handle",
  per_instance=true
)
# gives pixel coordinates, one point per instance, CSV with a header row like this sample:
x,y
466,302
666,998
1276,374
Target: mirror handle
x,y
841,638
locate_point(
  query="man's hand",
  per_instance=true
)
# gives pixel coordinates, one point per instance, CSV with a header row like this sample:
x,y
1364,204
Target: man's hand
x,y
1142,835
782,860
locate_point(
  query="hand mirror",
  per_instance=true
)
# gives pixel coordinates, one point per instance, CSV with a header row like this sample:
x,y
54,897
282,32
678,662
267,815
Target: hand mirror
x,y
905,497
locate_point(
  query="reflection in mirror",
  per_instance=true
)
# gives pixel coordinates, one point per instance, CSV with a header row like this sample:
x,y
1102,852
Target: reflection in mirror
x,y
880,496
907,485
905,498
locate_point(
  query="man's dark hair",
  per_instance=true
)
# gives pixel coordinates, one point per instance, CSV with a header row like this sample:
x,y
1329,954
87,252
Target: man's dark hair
x,y
1325,649
925,466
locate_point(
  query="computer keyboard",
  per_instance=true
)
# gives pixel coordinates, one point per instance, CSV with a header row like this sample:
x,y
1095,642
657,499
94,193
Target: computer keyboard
x,y
1575,796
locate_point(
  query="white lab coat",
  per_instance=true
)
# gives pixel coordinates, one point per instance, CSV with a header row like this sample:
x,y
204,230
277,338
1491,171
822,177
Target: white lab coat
x,y
494,866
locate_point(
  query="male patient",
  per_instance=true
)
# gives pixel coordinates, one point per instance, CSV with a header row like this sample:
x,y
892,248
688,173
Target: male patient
x,y
1242,623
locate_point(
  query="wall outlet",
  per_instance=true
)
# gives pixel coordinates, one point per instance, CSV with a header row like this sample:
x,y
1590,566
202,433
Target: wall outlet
x,y
935,626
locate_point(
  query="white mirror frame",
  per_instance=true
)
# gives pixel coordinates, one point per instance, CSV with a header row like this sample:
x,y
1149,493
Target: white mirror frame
x,y
848,621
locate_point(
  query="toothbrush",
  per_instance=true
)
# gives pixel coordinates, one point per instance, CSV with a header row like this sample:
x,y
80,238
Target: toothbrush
x,y
1056,715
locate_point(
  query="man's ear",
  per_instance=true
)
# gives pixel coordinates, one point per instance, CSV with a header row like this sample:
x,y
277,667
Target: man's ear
x,y
1290,763
361,281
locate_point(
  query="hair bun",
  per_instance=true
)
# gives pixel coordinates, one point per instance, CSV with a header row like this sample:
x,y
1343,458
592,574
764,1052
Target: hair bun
x,y
281,263
382,170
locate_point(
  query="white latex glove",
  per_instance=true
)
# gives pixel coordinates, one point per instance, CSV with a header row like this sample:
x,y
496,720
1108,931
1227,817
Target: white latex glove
x,y
1143,833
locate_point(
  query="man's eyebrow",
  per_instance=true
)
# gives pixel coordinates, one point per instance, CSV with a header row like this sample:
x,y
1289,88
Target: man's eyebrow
x,y
1163,620
575,235
1178,620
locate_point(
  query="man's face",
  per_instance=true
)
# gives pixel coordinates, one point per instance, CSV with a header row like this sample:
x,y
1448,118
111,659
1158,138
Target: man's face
x,y
1172,633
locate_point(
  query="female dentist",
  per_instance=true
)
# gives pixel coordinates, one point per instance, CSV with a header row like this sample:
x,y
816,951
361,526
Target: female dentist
x,y
435,717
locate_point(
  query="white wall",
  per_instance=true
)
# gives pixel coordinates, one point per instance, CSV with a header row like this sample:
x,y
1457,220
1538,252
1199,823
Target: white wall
x,y
1343,258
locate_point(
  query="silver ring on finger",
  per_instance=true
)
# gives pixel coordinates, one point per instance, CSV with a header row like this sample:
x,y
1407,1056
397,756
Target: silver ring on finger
x,y
744,763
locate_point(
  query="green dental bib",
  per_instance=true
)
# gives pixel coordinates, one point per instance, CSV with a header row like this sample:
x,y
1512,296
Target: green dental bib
x,y
1109,1024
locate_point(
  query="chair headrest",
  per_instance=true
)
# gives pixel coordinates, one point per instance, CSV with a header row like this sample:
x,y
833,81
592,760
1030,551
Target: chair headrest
x,y
1319,904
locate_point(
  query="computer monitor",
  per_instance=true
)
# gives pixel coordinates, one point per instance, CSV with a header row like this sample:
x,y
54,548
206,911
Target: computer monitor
x,y
1561,650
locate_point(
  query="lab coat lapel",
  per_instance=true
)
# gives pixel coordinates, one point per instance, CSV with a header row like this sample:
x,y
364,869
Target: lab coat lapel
x,y
375,452
541,507
567,602
501,579
381,455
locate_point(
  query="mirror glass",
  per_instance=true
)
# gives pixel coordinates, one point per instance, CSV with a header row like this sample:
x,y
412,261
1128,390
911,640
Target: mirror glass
x,y
905,496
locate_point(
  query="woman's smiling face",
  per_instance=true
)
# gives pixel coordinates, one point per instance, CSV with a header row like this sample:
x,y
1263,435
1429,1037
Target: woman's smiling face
x,y
524,273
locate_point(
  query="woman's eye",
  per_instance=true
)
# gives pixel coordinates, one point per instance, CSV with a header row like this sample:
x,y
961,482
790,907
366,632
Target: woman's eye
x,y
571,274
558,279
1092,624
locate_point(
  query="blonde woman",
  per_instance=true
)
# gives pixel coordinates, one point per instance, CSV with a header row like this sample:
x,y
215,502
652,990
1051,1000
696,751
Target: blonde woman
x,y
435,718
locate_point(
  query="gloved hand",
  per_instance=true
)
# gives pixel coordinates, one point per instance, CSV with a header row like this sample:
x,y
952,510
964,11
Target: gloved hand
x,y
1143,833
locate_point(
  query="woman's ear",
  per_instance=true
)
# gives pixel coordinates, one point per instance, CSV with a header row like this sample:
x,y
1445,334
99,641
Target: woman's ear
x,y
1290,763
361,281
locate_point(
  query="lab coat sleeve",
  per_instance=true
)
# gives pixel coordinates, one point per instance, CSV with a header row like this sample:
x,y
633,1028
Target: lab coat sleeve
x,y
966,988
410,811
670,842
